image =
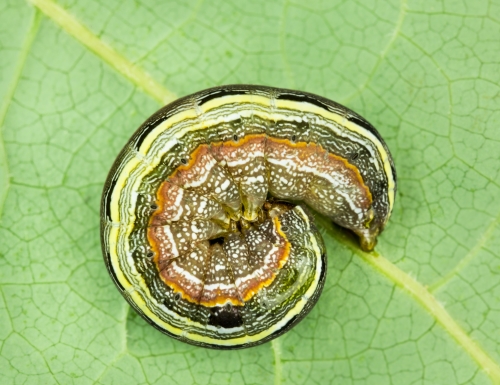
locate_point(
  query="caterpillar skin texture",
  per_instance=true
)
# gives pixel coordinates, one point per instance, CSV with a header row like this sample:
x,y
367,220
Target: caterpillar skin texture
x,y
205,229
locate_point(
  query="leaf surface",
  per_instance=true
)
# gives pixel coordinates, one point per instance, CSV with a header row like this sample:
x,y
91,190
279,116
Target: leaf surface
x,y
78,77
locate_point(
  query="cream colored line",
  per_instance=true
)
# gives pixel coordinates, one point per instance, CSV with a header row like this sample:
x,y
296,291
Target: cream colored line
x,y
276,346
426,300
4,107
132,72
469,257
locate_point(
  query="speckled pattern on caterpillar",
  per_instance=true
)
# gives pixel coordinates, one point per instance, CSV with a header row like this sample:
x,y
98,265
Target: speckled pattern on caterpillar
x,y
205,229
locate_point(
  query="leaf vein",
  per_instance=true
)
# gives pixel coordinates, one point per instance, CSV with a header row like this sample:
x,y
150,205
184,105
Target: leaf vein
x,y
469,257
383,54
276,346
425,298
23,55
136,75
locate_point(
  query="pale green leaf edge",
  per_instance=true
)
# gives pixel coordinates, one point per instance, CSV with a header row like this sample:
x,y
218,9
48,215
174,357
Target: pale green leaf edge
x,y
142,80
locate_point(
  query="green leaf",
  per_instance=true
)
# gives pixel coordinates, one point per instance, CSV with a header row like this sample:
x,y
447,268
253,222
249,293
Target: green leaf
x,y
78,77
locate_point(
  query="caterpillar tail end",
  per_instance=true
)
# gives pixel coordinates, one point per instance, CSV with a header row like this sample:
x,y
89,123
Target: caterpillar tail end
x,y
368,242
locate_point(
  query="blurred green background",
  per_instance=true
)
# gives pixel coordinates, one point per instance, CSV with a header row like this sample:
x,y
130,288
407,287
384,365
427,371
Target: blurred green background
x,y
78,77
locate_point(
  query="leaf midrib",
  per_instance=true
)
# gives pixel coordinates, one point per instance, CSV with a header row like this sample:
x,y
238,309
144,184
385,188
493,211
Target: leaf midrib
x,y
424,298
136,75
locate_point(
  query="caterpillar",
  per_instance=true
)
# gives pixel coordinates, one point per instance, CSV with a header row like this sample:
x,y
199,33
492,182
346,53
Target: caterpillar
x,y
206,227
